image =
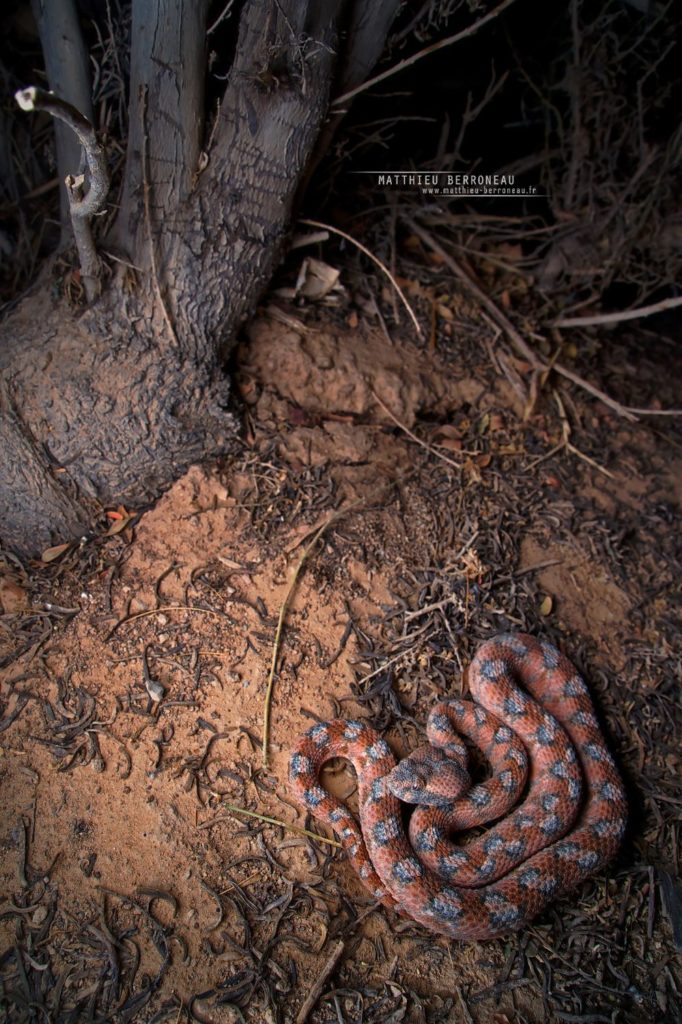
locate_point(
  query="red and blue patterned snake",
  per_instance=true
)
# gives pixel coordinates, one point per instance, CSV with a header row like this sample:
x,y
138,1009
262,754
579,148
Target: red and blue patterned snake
x,y
501,880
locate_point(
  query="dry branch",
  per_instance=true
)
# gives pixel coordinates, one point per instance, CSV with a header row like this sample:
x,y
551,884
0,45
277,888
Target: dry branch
x,y
409,61
518,342
616,318
267,702
320,982
84,202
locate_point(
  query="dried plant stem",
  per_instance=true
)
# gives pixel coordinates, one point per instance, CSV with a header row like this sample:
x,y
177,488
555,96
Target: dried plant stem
x,y
567,445
166,608
320,982
627,414
234,809
521,346
409,61
616,318
418,440
267,703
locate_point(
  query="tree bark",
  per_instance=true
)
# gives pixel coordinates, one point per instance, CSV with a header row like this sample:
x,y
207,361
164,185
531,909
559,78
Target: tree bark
x,y
166,116
66,64
120,399
37,498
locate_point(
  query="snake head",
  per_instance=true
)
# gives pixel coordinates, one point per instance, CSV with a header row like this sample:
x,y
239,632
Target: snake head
x,y
428,777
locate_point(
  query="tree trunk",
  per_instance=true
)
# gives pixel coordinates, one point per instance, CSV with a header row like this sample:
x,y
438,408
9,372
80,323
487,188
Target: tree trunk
x,y
117,401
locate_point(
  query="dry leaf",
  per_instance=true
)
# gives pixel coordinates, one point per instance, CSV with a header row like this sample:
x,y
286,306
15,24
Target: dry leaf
x,y
451,444
154,688
448,430
316,279
230,563
13,598
50,554
510,251
118,526
474,568
484,460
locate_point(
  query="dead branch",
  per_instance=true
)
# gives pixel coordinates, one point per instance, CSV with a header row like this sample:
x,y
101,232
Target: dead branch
x,y
521,346
409,61
84,202
320,982
616,318
616,175
622,410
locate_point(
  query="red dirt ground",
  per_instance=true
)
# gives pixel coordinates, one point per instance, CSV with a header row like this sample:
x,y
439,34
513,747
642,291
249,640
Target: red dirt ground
x,y
116,841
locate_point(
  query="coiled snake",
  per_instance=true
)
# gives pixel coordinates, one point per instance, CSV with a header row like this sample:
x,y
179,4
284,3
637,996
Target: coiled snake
x,y
548,844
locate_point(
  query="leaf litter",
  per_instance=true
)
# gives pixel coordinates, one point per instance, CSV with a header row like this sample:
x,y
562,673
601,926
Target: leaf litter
x,y
145,875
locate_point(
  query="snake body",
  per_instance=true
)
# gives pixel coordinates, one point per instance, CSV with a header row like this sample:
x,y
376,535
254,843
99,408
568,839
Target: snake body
x,y
547,845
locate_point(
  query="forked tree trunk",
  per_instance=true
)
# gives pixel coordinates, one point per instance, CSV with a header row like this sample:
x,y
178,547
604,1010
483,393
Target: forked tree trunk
x,y
112,404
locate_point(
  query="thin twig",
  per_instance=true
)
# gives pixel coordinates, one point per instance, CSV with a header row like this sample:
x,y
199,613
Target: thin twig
x,y
375,259
267,704
418,440
567,445
320,982
518,342
226,11
166,608
612,403
468,1019
437,606
498,316
381,668
653,412
616,318
270,821
409,61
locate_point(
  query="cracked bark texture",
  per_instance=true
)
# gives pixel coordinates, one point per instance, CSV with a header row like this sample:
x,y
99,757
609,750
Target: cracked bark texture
x,y
115,400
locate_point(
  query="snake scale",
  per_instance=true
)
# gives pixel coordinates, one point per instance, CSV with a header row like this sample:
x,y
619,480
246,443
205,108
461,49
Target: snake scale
x,y
543,741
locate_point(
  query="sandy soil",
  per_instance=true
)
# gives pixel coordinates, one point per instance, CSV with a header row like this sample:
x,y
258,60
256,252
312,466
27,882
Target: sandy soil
x,y
132,891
